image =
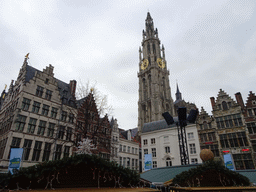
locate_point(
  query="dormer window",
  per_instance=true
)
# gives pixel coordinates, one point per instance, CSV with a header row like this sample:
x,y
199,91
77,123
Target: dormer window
x,y
46,81
39,91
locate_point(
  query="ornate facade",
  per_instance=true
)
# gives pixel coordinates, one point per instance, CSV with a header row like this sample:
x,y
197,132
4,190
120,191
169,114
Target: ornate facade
x,y
154,87
37,114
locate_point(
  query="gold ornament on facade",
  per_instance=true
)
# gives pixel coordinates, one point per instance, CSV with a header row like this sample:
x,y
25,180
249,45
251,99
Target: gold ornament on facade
x,y
160,63
206,155
144,64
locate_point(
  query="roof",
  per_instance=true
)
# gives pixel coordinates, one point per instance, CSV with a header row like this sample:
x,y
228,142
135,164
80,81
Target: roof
x,y
159,125
64,88
250,174
164,174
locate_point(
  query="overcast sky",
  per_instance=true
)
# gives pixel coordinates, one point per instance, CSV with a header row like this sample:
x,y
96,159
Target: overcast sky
x,y
209,44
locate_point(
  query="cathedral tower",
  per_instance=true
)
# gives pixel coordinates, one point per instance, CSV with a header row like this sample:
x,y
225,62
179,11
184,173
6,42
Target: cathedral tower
x,y
154,87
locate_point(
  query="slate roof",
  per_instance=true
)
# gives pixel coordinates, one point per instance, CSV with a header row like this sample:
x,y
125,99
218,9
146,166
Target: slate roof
x,y
161,175
159,125
64,88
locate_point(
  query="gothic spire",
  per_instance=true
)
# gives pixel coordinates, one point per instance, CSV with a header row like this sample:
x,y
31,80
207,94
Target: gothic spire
x,y
149,26
178,94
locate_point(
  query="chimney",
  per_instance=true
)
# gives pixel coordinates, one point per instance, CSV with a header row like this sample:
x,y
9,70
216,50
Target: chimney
x,y
72,85
213,102
239,99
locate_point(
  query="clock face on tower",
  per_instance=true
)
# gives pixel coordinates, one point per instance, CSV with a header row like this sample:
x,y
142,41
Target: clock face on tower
x,y
160,63
144,64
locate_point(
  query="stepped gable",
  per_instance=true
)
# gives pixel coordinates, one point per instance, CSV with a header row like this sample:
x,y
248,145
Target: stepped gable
x,y
251,100
223,96
64,88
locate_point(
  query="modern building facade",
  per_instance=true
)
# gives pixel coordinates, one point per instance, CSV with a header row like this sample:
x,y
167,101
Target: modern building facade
x,y
161,140
37,114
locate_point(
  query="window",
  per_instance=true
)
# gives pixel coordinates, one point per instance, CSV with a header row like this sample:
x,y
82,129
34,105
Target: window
x,y
191,135
224,105
26,147
45,110
48,94
243,161
254,145
124,148
63,116
15,142
192,148
167,149
54,112
41,128
136,164
205,125
128,162
32,125
251,128
212,136
37,151
132,150
145,141
66,151
124,160
120,148
58,152
136,151
120,161
20,123
168,162
229,104
153,152
132,163
153,141
250,112
61,132
71,118
194,161
39,91
238,139
78,137
128,149
69,134
36,107
166,139
46,81
50,130
25,104
145,151
47,151
154,164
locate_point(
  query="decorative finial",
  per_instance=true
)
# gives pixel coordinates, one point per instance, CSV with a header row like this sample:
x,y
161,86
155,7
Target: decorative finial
x,y
27,56
91,90
5,87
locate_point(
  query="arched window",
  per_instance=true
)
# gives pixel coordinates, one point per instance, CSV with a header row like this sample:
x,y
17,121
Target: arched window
x,y
205,125
224,105
144,89
164,89
148,49
149,84
168,162
154,48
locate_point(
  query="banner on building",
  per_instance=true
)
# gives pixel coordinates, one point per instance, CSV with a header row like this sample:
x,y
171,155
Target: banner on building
x,y
228,161
15,159
147,162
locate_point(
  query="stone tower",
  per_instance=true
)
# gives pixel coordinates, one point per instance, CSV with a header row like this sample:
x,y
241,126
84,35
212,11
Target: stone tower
x,y
154,87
